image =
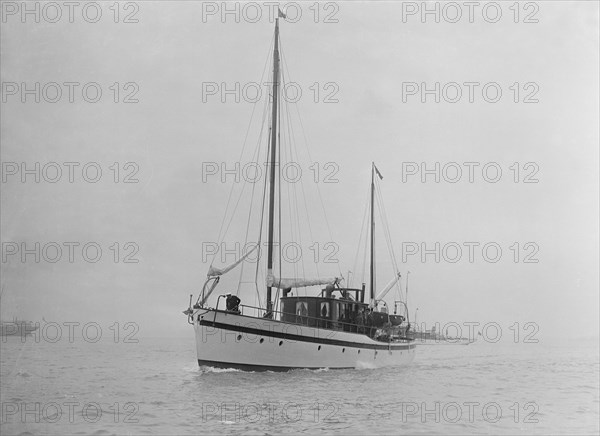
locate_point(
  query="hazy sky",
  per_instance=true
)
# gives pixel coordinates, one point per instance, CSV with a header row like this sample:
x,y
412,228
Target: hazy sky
x,y
372,53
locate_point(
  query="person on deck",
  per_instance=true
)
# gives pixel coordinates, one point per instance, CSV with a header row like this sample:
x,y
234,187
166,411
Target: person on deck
x,y
370,328
360,321
233,303
324,313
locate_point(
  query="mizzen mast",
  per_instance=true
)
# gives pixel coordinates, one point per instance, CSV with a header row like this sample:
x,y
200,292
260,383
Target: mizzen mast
x,y
373,302
372,260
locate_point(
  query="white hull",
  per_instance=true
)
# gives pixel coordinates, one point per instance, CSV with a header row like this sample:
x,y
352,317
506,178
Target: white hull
x,y
229,340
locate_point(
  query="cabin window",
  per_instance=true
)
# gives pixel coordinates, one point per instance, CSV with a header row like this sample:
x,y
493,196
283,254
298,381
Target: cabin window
x,y
342,313
324,310
301,308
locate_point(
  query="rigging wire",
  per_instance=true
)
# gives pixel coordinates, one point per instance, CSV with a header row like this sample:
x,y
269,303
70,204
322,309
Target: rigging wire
x,y
311,160
293,199
387,235
291,195
261,229
221,233
362,229
254,160
367,237
290,131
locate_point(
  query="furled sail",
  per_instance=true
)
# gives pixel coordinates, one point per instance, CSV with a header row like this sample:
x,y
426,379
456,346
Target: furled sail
x,y
282,283
214,272
389,286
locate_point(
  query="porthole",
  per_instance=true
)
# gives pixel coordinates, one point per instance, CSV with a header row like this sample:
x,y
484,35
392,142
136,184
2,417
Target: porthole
x,y
343,350
280,343
262,340
239,337
358,351
319,349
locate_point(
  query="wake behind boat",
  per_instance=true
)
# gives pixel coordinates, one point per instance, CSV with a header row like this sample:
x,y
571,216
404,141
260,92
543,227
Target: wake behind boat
x,y
335,326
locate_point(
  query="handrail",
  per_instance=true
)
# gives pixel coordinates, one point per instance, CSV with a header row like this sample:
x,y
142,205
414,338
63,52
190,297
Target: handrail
x,y
405,310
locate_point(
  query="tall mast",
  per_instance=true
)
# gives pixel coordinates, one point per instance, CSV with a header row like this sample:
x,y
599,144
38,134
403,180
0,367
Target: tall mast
x,y
372,275
272,166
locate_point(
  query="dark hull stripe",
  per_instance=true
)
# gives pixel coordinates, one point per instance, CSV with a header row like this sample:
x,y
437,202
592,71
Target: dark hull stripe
x,y
249,367
300,338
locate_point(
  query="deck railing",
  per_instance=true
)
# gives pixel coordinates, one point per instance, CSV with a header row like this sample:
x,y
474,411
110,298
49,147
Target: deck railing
x,y
303,320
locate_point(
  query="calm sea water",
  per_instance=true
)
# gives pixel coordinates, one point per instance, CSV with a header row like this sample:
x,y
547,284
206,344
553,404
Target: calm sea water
x,y
156,387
